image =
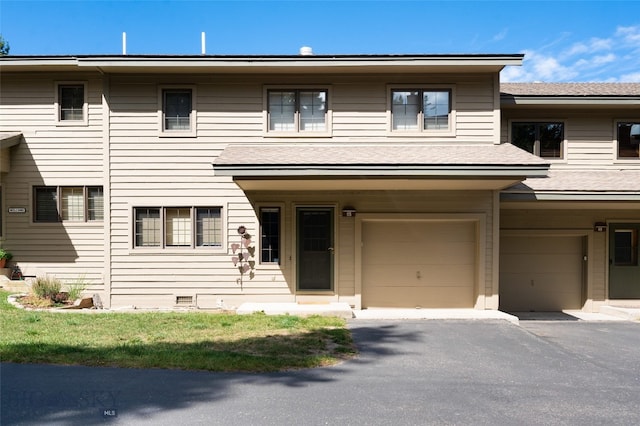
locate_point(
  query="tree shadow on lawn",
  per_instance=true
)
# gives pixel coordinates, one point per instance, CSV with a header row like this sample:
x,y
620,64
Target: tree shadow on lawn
x,y
41,393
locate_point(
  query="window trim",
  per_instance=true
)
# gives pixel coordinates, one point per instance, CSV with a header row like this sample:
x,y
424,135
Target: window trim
x,y
166,248
58,194
563,148
57,104
282,258
616,158
192,131
297,133
420,131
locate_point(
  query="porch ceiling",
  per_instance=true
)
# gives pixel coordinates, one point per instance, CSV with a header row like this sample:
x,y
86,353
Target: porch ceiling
x,y
377,167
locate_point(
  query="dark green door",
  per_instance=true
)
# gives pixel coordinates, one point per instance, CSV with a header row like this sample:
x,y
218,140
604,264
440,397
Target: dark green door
x,y
624,265
315,248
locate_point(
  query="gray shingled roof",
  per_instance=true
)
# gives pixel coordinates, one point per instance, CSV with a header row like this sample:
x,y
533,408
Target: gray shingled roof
x,y
570,89
314,154
582,181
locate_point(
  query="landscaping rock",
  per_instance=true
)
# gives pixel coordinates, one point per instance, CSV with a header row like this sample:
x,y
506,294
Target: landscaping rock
x,y
84,303
97,302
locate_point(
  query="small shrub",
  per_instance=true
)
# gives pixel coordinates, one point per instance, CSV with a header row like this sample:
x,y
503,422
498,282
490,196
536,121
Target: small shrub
x,y
46,287
76,288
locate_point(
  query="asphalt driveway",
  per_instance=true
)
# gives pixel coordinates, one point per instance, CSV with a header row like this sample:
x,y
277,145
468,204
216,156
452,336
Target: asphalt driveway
x,y
408,372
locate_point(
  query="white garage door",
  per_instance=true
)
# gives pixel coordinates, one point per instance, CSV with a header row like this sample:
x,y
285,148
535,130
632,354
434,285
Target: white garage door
x,y
540,273
428,264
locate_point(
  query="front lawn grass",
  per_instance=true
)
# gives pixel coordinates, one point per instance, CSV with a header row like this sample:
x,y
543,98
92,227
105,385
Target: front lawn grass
x,y
189,341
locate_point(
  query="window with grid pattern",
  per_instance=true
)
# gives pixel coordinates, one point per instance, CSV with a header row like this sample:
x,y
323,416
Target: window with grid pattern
x,y
174,227
95,203
178,226
67,203
297,110
176,109
208,227
72,203
148,227
270,235
71,101
421,110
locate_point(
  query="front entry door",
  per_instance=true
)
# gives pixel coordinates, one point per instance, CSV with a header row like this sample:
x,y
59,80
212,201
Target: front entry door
x,y
624,261
315,248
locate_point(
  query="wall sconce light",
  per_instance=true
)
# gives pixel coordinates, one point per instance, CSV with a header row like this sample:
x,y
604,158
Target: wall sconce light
x,y
348,212
600,227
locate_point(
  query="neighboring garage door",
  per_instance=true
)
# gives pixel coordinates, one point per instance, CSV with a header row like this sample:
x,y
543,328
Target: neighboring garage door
x,y
540,273
428,264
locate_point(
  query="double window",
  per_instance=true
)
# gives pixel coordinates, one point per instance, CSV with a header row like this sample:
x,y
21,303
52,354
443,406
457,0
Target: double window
x,y
544,139
421,110
177,112
628,137
68,203
71,103
297,110
178,227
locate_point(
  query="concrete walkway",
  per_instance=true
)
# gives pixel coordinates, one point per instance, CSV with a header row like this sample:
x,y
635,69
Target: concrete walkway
x,y
343,310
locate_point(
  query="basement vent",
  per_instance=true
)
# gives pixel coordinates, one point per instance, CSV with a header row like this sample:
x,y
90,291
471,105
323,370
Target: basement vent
x,y
184,300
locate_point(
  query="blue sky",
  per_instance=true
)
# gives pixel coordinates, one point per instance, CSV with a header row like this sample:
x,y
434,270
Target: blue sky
x,y
562,40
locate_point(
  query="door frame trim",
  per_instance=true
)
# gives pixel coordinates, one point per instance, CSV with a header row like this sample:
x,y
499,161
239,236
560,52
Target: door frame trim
x,y
479,219
608,256
334,280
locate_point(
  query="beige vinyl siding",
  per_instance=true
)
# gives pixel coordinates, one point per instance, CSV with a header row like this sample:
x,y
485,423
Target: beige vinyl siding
x,y
589,135
578,220
152,171
379,202
230,108
52,155
148,170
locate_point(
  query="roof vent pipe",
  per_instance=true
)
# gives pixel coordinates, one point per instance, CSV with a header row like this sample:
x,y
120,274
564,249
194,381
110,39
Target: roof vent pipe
x,y
124,43
306,51
203,37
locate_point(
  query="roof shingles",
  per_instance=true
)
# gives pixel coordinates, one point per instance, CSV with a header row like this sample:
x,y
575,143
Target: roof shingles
x,y
285,154
571,89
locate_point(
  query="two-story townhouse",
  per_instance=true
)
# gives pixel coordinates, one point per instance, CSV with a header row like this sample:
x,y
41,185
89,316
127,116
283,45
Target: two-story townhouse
x,y
570,240
375,180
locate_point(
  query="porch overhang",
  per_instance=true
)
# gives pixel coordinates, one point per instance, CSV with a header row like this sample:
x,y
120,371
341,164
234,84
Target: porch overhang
x,y
377,167
7,140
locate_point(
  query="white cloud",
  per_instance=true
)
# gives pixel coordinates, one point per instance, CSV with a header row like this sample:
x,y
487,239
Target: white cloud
x,y
593,45
631,78
629,34
614,58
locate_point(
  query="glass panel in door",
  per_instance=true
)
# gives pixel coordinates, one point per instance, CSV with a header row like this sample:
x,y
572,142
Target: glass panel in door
x,y
315,248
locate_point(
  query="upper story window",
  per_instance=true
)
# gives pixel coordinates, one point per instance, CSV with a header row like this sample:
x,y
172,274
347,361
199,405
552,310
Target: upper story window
x,y
71,103
296,111
68,203
628,137
177,112
422,110
544,139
